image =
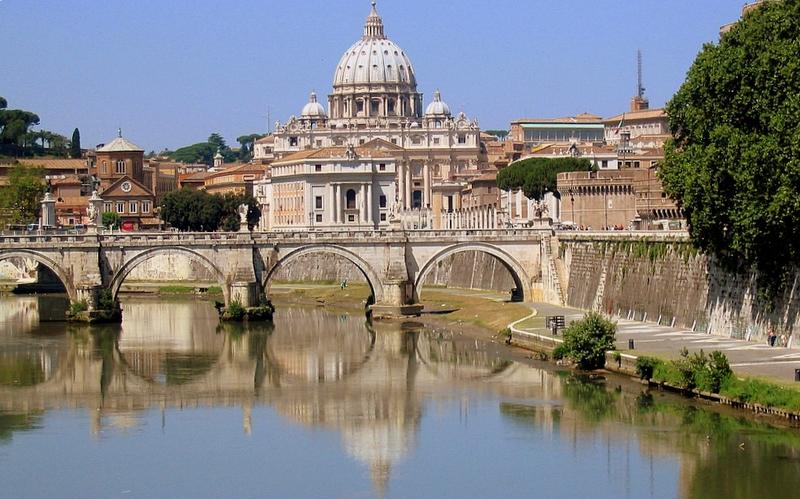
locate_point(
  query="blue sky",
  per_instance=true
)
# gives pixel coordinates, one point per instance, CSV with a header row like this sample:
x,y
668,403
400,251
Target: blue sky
x,y
171,72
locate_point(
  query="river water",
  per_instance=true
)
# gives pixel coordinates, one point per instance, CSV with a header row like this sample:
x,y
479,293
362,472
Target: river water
x,y
170,403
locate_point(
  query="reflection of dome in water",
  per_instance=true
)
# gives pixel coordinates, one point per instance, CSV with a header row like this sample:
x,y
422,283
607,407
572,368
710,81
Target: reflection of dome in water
x,y
167,344
318,348
451,360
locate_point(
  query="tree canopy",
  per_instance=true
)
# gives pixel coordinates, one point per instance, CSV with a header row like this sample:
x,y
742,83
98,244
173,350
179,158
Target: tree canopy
x,y
20,199
200,211
14,127
538,176
246,142
204,152
734,165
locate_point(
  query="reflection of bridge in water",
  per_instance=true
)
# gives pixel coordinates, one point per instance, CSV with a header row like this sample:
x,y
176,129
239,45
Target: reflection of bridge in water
x,y
314,368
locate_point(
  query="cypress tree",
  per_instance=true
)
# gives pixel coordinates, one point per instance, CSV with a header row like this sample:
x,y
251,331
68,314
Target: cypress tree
x,y
75,147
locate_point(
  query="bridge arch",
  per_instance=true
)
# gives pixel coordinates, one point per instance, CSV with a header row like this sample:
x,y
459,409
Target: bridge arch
x,y
365,268
63,275
521,278
140,258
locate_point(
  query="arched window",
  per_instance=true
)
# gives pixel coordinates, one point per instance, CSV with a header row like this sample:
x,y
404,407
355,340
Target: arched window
x,y
351,199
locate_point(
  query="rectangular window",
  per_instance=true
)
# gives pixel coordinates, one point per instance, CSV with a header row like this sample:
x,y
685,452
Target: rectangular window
x,y
317,168
107,207
394,141
361,141
462,139
120,167
292,141
382,201
105,167
360,106
120,207
319,143
318,218
318,202
605,164
383,217
134,207
145,206
382,167
351,218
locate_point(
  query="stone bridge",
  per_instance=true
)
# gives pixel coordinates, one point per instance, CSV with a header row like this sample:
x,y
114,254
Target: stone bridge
x,y
394,263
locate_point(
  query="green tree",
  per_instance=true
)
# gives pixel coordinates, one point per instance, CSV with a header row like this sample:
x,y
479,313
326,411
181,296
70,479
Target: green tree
x,y
230,208
734,165
202,152
20,199
538,176
75,144
198,211
586,341
111,219
14,126
190,210
246,142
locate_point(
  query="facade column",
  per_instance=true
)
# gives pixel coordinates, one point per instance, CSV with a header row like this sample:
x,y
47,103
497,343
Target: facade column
x,y
362,213
409,184
401,184
337,203
369,206
426,185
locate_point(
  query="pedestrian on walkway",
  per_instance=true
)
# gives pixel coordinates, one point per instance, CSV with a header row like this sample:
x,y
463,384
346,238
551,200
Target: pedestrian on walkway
x,y
771,336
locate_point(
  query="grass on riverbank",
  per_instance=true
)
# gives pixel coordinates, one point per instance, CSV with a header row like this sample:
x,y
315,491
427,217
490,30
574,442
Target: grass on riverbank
x,y
748,390
484,309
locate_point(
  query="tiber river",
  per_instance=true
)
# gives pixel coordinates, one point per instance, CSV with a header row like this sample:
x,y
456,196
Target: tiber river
x,y
171,404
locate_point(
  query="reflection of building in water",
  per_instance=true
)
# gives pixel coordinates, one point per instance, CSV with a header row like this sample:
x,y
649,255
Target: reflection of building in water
x,y
18,315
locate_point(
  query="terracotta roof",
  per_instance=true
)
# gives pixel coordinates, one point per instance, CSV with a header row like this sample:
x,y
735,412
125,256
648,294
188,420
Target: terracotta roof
x,y
269,139
54,163
370,150
581,118
120,144
647,114
194,177
237,168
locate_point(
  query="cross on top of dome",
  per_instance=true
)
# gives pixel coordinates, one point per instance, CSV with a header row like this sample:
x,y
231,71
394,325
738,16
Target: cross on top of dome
x,y
373,28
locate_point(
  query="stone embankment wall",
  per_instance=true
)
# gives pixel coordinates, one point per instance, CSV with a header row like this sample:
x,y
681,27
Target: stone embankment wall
x,y
666,280
470,269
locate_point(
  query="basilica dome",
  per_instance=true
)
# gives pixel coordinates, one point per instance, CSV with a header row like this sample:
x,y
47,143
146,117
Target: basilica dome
x,y
313,109
438,107
374,59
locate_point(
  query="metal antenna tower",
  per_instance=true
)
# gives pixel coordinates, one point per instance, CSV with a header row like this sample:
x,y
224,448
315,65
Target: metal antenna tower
x,y
639,87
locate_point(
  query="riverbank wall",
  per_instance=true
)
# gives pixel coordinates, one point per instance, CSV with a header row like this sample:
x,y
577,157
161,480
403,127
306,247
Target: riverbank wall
x,y
663,279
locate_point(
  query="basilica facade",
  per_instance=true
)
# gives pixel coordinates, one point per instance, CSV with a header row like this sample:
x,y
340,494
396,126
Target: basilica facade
x,y
376,152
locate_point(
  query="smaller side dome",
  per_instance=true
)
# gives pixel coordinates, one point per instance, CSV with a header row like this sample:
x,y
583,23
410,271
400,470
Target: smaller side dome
x,y
313,109
438,107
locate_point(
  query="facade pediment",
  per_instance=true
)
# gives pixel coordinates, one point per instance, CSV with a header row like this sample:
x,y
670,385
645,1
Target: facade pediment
x,y
126,187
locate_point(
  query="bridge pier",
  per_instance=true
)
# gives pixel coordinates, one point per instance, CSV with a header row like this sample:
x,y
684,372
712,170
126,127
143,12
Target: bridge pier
x,y
397,300
247,294
94,303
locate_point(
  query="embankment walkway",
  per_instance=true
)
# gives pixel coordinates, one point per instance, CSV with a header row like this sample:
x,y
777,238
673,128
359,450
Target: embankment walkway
x,y
746,358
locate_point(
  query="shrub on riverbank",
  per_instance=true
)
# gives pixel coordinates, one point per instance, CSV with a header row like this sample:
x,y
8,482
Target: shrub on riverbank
x,y
705,372
713,374
586,341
